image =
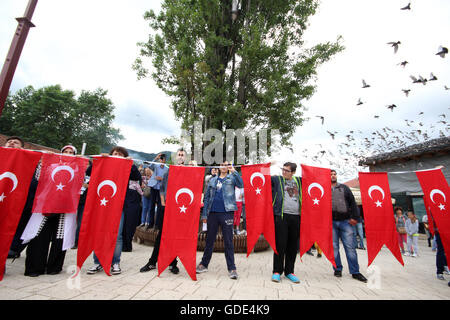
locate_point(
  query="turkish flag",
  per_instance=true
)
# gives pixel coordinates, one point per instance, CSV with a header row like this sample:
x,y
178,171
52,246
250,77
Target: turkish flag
x,y
258,204
17,167
181,218
103,209
378,214
60,182
429,216
316,219
436,192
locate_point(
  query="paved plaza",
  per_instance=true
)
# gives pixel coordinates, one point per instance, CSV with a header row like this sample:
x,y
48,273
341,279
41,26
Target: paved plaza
x,y
388,280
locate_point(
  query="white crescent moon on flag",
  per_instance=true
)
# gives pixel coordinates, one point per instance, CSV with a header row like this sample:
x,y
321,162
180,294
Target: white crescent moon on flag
x,y
107,183
434,191
11,176
184,190
315,185
60,168
257,174
375,187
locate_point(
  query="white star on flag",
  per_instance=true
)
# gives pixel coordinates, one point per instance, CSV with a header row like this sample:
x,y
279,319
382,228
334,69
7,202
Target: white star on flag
x,y
2,197
59,186
378,203
316,201
103,202
258,191
183,209
441,207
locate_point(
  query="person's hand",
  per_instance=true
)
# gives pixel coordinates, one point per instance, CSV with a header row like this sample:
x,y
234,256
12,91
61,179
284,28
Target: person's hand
x,y
204,220
159,178
353,222
104,154
231,168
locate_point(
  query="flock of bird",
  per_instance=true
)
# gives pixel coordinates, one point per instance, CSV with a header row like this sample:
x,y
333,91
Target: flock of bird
x,y
355,146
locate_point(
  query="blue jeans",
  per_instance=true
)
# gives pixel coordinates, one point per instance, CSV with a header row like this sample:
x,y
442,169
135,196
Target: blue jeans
x,y
118,248
344,231
225,220
145,210
358,231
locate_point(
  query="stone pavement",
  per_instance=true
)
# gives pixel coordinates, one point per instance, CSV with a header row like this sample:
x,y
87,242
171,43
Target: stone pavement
x,y
388,280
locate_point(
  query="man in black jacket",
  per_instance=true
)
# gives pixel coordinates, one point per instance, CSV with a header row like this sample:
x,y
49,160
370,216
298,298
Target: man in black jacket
x,y
345,215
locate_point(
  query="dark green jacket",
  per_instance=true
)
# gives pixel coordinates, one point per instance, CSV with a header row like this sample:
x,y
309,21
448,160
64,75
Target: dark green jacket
x,y
278,194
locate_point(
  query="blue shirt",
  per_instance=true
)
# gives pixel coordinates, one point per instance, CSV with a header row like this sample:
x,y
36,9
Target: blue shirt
x,y
157,172
218,203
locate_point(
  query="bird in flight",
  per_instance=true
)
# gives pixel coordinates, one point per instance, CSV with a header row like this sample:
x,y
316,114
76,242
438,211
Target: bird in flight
x,y
420,80
408,7
359,102
392,106
365,85
442,51
332,134
322,118
432,77
376,117
446,88
395,45
403,63
406,91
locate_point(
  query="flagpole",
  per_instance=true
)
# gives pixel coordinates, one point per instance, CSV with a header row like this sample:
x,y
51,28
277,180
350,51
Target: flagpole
x,y
12,58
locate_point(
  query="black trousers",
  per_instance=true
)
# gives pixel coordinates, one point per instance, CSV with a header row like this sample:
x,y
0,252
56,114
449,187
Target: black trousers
x,y
287,237
154,257
38,259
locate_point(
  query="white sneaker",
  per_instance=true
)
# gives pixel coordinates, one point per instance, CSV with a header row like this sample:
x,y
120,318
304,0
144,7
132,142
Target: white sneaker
x,y
94,269
115,269
406,254
414,255
446,270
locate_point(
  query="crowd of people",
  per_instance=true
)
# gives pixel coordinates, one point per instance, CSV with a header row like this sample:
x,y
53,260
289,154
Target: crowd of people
x,y
223,205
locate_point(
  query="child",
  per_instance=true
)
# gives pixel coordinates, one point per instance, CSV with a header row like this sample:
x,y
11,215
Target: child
x,y
400,222
412,231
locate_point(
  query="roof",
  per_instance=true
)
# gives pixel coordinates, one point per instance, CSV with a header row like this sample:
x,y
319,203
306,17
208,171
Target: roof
x,y
439,145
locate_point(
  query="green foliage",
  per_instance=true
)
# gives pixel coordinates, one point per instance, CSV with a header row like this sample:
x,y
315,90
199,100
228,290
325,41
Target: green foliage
x,y
251,73
54,117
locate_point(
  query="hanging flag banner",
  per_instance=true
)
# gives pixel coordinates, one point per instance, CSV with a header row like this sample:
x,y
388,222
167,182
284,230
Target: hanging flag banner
x,y
103,209
316,223
258,204
60,182
181,218
17,167
378,215
436,193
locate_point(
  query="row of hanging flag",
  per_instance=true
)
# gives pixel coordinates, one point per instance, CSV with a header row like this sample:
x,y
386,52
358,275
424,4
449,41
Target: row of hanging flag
x,y
61,179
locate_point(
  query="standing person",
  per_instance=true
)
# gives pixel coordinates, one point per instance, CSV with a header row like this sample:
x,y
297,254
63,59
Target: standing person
x,y
136,176
427,229
146,197
151,264
412,231
287,203
400,222
218,210
132,208
52,229
345,215
16,245
239,193
155,184
358,232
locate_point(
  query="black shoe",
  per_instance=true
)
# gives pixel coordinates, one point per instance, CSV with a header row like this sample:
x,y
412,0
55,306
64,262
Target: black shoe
x,y
319,255
33,274
53,272
147,267
310,253
174,269
13,255
338,274
359,276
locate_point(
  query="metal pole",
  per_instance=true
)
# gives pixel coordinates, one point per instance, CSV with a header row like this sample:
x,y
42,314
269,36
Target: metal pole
x,y
12,59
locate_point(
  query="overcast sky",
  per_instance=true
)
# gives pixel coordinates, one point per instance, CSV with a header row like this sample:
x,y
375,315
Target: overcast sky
x,y
88,44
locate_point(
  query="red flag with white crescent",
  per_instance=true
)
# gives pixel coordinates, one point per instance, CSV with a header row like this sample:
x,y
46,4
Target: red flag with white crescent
x,y
436,193
258,204
378,215
316,218
181,218
17,167
60,182
430,218
103,209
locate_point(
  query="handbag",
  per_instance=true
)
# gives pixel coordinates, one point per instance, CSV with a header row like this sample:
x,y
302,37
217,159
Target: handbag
x,y
147,192
401,230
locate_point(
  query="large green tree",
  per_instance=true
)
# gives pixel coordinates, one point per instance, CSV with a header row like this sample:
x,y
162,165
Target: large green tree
x,y
54,117
245,68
